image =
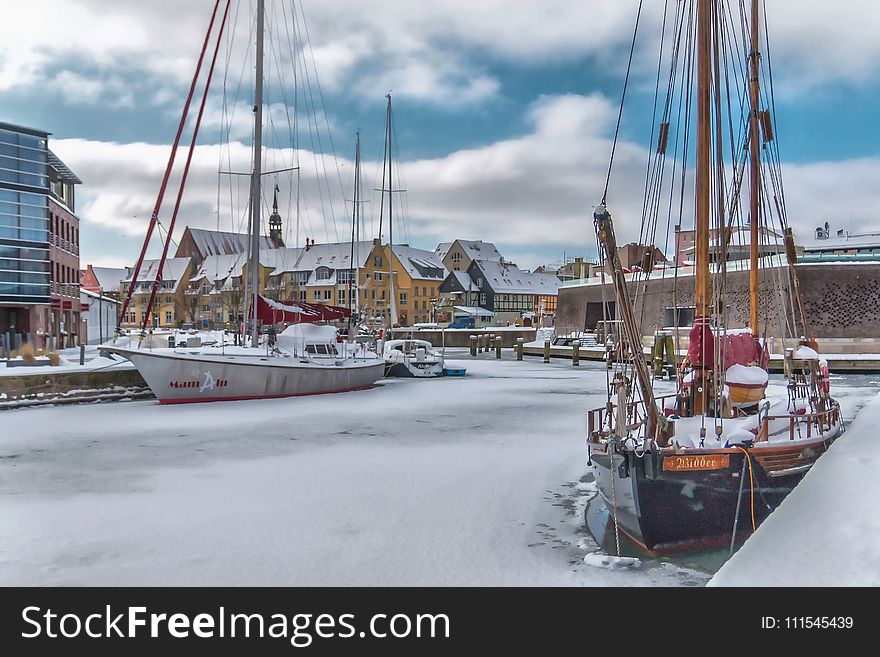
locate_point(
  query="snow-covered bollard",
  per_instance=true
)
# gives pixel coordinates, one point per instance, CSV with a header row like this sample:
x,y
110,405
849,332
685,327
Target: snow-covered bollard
x,y
546,351
498,346
473,341
576,353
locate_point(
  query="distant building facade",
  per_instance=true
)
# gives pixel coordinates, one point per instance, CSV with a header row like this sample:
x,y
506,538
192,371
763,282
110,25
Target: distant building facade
x,y
64,315
25,264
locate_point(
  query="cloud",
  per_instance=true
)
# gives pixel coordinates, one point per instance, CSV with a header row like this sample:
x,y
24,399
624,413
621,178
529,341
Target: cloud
x,y
438,53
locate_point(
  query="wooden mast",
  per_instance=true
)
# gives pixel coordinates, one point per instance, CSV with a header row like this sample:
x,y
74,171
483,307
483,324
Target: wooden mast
x,y
702,290
754,172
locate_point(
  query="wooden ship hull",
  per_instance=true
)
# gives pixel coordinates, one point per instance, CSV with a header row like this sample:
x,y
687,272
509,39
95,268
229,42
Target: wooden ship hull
x,y
686,499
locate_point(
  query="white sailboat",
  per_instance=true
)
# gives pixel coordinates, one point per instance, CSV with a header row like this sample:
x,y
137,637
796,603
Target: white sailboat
x,y
304,359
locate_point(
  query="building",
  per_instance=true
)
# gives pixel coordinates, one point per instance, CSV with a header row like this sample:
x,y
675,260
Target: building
x,y
104,280
25,264
569,269
169,306
416,274
514,296
198,243
459,254
738,246
64,314
99,314
842,247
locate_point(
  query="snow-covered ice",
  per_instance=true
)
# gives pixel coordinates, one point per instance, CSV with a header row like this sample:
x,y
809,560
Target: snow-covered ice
x,y
480,480
827,531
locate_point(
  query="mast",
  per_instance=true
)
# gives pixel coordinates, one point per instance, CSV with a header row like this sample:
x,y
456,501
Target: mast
x,y
392,306
702,289
355,217
754,172
256,207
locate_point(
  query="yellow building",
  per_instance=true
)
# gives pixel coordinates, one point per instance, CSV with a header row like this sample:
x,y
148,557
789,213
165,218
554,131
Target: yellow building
x,y
416,275
170,302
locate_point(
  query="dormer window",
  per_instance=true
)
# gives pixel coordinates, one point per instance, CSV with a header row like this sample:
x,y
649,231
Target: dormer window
x,y
322,273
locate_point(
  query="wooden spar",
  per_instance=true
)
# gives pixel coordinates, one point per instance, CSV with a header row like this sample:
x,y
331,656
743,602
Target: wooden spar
x,y
631,333
256,195
702,291
754,172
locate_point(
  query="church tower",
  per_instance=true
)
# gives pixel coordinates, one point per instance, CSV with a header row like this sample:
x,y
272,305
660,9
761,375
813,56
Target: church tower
x,y
275,223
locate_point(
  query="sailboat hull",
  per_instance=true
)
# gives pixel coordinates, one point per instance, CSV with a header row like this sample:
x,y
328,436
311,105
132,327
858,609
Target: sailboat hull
x,y
177,378
665,510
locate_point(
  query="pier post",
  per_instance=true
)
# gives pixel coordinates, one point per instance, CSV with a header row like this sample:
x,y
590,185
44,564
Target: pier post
x,y
82,354
546,351
497,346
473,342
576,353
520,342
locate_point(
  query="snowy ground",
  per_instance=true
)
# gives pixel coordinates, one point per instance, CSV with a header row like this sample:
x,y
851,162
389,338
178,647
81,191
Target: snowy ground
x,y
473,481
827,532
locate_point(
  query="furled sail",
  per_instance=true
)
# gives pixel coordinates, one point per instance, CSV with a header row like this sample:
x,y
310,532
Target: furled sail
x,y
275,312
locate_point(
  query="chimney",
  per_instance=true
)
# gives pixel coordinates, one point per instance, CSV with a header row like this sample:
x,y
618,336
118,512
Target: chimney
x,y
308,246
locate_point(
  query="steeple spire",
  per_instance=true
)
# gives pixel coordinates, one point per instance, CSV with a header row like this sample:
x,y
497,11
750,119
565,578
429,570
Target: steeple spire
x,y
275,223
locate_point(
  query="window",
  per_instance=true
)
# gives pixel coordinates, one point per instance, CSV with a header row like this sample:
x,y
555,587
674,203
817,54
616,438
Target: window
x,y
403,298
415,291
424,291
377,261
483,299
322,273
167,316
456,257
327,295
378,276
317,295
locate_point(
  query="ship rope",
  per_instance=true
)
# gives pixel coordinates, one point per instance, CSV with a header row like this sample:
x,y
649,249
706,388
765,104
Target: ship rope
x,y
751,483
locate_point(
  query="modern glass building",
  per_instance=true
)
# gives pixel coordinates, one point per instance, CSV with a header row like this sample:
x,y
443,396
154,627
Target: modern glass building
x,y
24,228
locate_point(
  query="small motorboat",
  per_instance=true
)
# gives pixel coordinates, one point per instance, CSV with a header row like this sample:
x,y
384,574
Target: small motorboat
x,y
411,357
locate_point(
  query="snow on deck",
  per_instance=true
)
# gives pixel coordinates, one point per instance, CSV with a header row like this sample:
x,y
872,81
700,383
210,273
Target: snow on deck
x,y
451,481
827,531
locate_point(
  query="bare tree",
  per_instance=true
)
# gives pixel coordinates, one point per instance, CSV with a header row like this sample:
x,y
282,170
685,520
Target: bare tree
x,y
231,299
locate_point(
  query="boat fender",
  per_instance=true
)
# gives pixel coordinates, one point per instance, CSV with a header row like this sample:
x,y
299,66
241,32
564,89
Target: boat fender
x,y
824,378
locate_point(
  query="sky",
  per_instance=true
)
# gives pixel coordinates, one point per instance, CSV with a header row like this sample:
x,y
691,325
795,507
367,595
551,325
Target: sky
x,y
504,114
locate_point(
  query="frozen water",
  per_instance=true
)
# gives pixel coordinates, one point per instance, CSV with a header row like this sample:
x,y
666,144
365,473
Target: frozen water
x,y
480,480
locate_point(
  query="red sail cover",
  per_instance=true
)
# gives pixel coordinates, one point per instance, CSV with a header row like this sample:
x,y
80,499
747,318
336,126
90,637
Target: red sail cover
x,y
275,312
738,347
742,348
701,348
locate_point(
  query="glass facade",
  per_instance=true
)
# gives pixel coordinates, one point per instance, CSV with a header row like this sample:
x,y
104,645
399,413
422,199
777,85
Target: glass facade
x,y
24,217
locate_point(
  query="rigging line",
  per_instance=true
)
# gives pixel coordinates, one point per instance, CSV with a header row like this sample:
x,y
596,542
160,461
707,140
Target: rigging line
x,y
323,104
155,214
622,99
326,121
319,153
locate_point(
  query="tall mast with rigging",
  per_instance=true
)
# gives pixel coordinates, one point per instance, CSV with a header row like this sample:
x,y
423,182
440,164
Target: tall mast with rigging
x,y
754,171
702,288
256,191
392,306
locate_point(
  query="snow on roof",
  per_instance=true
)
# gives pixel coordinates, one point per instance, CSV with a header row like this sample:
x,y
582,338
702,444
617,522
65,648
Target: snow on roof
x,y
173,270
419,263
109,278
475,310
215,242
475,250
506,278
463,279
336,255
220,267
95,295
